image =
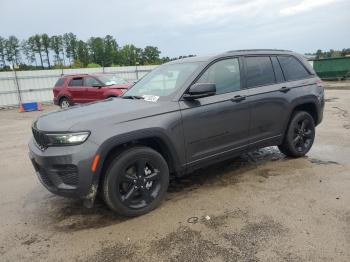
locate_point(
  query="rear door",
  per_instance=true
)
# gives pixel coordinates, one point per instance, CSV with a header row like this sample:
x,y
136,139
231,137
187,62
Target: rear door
x,y
270,104
77,90
218,125
93,90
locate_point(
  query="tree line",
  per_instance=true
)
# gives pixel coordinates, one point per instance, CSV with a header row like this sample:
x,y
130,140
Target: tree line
x,y
42,51
331,53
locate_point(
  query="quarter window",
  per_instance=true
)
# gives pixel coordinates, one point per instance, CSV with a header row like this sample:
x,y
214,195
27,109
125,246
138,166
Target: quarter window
x,y
259,71
76,82
225,74
60,82
292,68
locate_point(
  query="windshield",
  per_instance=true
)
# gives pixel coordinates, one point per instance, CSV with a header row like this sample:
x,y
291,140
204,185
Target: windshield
x,y
109,80
164,80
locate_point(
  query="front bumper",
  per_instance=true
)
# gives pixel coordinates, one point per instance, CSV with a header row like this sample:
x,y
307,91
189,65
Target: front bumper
x,y
66,170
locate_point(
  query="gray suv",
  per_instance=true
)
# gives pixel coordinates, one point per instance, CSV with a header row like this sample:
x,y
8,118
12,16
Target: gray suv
x,y
182,116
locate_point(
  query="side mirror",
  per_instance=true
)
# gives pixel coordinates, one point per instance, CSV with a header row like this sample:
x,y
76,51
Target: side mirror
x,y
200,90
97,85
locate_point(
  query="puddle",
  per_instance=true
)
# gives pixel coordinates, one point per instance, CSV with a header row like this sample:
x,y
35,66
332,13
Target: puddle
x,y
322,162
226,172
341,112
331,99
266,173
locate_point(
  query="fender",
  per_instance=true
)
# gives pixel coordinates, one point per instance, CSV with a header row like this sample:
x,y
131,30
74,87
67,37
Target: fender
x,y
112,92
308,99
64,94
118,140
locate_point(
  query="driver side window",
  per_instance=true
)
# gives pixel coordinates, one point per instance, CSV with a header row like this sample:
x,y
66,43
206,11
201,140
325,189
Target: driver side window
x,y
225,74
91,81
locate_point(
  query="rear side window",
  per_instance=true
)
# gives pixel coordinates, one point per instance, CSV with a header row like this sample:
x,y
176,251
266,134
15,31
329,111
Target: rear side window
x,y
259,71
277,69
224,74
76,82
60,82
292,68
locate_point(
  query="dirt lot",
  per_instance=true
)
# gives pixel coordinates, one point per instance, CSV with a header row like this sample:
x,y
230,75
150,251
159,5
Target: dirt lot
x,y
262,207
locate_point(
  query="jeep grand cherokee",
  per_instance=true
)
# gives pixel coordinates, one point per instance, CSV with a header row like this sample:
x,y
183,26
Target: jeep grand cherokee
x,y
183,115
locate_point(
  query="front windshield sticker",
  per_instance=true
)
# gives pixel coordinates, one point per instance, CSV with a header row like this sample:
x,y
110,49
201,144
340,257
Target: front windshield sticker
x,y
150,98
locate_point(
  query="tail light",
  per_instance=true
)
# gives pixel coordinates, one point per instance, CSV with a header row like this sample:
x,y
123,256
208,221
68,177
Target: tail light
x,y
319,83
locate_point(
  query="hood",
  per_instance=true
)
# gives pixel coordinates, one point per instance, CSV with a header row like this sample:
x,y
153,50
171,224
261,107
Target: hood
x,y
97,114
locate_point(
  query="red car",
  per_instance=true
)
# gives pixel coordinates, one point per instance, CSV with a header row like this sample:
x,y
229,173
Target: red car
x,y
85,88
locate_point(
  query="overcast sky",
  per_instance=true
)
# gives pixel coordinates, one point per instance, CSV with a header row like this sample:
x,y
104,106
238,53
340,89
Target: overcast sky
x,y
180,27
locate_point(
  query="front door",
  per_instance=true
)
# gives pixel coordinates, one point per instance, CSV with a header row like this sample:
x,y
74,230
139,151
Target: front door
x,y
94,90
217,125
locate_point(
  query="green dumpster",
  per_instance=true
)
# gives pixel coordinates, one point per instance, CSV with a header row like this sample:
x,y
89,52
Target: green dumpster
x,y
332,68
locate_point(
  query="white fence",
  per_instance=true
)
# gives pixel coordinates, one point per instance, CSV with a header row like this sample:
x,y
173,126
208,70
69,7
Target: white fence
x,y
36,86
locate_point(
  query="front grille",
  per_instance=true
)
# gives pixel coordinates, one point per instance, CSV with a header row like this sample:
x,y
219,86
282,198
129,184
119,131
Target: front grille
x,y
40,138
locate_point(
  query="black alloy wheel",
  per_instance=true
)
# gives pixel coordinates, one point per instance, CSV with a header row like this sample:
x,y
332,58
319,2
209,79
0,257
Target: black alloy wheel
x,y
136,181
139,185
303,135
300,135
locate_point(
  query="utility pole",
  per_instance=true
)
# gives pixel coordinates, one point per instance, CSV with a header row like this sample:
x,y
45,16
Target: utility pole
x,y
17,84
137,72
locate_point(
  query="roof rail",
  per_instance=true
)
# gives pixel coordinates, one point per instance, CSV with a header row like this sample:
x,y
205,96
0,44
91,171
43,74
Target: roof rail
x,y
244,50
77,74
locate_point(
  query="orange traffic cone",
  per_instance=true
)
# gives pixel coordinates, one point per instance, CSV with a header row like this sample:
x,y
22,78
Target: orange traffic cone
x,y
21,109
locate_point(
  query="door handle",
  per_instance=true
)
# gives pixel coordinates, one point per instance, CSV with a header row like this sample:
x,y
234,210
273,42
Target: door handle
x,y
238,98
284,89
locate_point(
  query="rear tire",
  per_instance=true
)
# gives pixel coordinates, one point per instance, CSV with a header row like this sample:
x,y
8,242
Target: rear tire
x,y
64,103
136,181
299,136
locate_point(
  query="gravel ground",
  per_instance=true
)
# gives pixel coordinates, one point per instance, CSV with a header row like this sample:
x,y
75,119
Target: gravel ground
x,y
260,206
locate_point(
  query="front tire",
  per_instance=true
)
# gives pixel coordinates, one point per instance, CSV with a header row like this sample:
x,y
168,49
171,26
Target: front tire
x,y
300,135
136,181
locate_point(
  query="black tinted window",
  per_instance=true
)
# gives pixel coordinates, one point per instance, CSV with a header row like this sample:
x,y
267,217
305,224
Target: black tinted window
x,y
259,71
76,82
277,69
292,68
60,82
224,74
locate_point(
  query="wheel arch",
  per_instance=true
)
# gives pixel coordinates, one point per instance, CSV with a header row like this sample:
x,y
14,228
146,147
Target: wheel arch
x,y
112,93
154,139
309,105
62,97
64,94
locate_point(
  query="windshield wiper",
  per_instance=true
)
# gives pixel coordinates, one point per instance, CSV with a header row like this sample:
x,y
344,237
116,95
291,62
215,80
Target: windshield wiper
x,y
132,97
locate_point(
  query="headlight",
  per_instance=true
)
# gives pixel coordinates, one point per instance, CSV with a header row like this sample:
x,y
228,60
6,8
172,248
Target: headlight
x,y
67,139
